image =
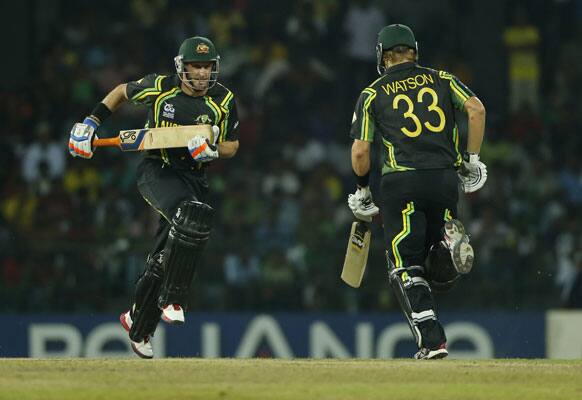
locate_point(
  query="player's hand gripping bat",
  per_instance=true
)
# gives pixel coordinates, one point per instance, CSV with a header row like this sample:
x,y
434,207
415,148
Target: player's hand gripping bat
x,y
156,138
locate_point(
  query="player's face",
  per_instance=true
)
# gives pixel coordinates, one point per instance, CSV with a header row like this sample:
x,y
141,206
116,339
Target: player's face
x,y
198,74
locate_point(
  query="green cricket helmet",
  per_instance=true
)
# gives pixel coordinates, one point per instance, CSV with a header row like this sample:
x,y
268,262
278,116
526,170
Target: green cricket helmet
x,y
197,49
391,36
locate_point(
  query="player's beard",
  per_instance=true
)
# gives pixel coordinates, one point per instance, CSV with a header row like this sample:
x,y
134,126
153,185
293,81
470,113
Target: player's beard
x,y
195,83
199,85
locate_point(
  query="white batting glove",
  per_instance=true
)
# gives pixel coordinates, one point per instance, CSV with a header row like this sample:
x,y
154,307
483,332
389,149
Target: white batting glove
x,y
473,173
81,137
201,150
362,205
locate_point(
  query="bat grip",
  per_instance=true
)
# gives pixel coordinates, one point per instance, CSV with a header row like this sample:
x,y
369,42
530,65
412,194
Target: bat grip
x,y
107,142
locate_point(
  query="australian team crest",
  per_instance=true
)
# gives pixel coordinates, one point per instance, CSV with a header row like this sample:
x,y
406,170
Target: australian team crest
x,y
202,48
203,119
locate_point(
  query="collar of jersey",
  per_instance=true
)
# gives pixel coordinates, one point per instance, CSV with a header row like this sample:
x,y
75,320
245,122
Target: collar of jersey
x,y
399,67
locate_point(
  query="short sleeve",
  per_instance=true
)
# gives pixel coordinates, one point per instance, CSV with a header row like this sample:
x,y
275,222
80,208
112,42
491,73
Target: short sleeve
x,y
363,124
229,123
459,92
145,90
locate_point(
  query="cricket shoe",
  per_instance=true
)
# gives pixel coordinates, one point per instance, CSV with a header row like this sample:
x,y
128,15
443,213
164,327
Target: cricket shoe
x,y
173,314
428,354
144,348
457,242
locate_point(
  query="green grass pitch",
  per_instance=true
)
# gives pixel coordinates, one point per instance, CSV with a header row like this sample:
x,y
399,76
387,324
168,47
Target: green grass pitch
x,y
111,379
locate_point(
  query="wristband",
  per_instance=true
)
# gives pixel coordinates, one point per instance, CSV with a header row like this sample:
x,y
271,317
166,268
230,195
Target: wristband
x,y
470,157
101,112
363,181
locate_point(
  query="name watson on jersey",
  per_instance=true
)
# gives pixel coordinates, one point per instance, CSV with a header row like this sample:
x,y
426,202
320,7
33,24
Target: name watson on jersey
x,y
407,84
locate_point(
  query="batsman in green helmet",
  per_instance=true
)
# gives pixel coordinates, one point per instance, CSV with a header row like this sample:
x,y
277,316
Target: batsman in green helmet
x,y
409,111
172,181
197,49
390,37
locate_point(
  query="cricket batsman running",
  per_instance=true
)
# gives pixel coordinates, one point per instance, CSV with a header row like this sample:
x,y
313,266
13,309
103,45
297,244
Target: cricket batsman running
x,y
172,181
410,111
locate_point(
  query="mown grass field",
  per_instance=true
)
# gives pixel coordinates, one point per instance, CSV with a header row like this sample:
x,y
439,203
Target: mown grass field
x,y
113,379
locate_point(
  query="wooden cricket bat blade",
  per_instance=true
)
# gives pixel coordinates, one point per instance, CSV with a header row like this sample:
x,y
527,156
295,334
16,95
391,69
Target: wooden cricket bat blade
x,y
156,138
356,254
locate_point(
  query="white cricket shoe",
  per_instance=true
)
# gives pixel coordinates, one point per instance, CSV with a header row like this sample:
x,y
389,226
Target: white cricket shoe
x,y
457,241
435,354
144,348
173,314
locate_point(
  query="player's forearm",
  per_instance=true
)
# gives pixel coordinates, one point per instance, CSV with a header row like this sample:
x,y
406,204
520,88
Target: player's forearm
x,y
227,149
476,115
109,104
361,157
116,97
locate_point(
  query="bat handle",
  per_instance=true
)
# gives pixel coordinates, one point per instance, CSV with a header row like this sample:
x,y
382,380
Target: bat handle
x,y
107,142
214,137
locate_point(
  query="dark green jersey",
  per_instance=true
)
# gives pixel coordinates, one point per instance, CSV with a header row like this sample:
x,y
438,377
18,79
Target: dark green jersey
x,y
169,106
411,108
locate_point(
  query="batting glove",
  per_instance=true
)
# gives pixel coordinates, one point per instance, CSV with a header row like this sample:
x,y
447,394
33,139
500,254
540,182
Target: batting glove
x,y
201,150
81,138
362,205
473,173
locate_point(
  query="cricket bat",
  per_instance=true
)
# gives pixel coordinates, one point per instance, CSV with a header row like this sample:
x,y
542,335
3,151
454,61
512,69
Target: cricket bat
x,y
356,254
156,138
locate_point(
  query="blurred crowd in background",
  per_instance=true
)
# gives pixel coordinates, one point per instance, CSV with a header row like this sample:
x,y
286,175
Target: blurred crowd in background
x,y
74,234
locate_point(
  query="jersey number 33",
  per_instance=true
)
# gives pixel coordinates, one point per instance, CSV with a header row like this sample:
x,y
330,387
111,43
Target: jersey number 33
x,y
426,98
